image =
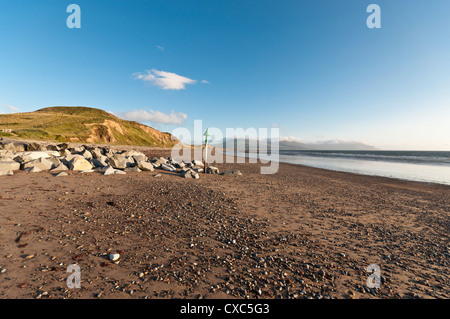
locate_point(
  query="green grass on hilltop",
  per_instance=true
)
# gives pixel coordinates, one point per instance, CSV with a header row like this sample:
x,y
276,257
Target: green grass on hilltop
x,y
80,124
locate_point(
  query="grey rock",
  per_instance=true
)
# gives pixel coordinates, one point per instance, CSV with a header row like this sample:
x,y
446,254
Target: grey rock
x,y
9,165
168,167
146,166
43,164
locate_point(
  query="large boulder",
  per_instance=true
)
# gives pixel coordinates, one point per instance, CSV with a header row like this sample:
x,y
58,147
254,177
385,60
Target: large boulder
x,y
42,164
80,164
29,156
99,162
146,166
96,153
118,161
9,165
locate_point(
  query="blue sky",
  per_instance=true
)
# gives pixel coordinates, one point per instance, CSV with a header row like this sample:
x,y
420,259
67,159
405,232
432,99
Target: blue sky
x,y
312,68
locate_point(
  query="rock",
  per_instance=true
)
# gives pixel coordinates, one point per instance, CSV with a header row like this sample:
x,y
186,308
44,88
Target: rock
x,y
168,167
110,171
6,172
197,163
9,165
33,169
98,162
139,158
132,169
53,148
114,257
96,153
80,164
33,146
234,172
119,161
59,168
189,173
212,170
64,152
86,154
157,175
63,146
29,156
6,155
42,164
76,150
146,166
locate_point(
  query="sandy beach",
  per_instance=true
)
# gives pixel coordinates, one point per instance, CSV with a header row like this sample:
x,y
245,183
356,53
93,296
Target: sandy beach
x,y
300,233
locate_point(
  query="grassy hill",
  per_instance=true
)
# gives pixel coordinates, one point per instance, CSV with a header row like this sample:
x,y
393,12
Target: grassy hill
x,y
80,125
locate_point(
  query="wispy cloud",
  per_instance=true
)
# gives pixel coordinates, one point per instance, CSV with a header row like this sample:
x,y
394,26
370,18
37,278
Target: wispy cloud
x,y
9,108
204,81
165,80
160,48
153,116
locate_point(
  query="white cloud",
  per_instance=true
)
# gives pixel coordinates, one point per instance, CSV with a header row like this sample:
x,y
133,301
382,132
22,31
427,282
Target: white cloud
x,y
10,108
165,80
160,48
204,81
153,116
291,139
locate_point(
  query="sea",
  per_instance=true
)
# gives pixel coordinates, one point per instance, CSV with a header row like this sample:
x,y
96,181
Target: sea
x,y
422,166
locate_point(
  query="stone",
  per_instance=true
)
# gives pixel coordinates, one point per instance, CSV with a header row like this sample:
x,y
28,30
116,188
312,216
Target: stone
x,y
6,155
76,150
132,169
29,156
33,169
6,172
43,164
9,165
96,153
114,257
109,171
234,172
80,164
86,154
212,170
59,168
168,167
146,166
119,161
189,173
98,162
139,158
63,146
197,163
33,146
53,148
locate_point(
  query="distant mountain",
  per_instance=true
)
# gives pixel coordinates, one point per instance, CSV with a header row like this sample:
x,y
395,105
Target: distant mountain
x,y
81,125
290,144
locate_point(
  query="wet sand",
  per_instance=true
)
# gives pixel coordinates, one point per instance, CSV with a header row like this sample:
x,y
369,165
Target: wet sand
x,y
300,233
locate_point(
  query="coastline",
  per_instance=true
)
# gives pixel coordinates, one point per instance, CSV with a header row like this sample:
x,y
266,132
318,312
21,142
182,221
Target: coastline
x,y
301,233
